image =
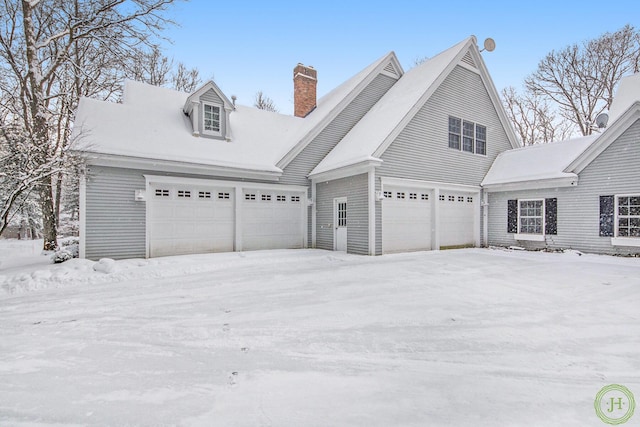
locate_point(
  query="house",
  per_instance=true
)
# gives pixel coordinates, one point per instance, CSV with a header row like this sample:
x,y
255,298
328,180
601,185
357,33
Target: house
x,y
388,161
582,193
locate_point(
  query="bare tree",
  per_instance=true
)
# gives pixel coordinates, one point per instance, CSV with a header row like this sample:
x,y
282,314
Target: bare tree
x,y
263,102
534,120
152,67
41,44
580,79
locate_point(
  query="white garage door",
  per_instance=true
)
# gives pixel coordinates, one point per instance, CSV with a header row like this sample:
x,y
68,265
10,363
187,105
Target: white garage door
x,y
457,213
406,220
187,219
272,219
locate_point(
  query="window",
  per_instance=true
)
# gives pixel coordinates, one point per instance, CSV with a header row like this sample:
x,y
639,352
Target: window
x,y
211,122
461,198
162,193
342,214
467,136
441,197
530,216
266,197
469,199
481,140
204,194
452,198
387,194
628,223
454,133
424,196
184,193
400,195
223,196
249,196
295,198
413,196
281,198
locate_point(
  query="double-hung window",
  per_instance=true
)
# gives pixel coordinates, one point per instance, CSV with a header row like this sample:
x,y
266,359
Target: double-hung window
x,y
530,216
620,219
211,119
532,219
467,136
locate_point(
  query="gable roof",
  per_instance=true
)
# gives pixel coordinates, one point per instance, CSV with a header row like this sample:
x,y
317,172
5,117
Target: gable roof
x,y
331,104
536,164
559,163
195,96
373,134
150,125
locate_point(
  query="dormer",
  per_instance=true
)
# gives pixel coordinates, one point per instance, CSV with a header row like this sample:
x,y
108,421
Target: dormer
x,y
209,109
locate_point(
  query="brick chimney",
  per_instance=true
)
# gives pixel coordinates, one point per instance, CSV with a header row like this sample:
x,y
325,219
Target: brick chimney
x,y
304,90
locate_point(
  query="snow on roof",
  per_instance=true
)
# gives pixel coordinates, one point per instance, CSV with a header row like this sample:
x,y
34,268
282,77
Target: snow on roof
x,y
627,93
537,162
150,124
370,133
332,100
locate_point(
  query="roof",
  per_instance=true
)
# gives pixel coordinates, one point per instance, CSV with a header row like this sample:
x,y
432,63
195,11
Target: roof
x,y
332,103
371,136
627,93
537,162
150,124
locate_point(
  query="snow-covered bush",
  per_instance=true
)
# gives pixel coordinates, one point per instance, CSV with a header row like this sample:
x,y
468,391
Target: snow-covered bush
x,y
105,265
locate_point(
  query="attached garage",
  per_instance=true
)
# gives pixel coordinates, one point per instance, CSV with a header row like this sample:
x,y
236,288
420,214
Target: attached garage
x,y
406,220
187,216
419,216
272,219
184,219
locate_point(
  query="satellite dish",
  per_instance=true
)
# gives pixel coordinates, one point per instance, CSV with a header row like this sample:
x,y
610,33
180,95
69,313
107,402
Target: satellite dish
x,y
489,44
601,120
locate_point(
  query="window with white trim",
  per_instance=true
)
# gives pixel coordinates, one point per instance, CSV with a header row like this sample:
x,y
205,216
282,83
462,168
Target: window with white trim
x,y
184,193
413,196
266,197
628,216
204,194
424,196
400,195
531,216
467,136
387,194
295,198
249,196
211,119
162,192
281,198
224,196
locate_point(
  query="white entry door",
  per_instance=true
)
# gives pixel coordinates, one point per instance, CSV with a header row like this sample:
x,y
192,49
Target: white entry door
x,y
340,224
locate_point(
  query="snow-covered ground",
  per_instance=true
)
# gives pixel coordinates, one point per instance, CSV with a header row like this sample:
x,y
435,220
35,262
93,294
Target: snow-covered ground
x,y
313,338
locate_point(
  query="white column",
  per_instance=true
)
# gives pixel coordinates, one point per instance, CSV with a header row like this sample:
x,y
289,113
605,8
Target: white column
x,y
372,211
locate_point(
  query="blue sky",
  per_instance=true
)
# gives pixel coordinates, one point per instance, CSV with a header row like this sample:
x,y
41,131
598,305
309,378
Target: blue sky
x,y
247,46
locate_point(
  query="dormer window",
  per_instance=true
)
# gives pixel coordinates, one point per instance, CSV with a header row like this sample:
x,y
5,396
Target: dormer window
x,y
211,119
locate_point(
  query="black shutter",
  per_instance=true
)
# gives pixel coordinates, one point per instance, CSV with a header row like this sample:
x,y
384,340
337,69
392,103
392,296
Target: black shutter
x,y
551,216
607,207
512,216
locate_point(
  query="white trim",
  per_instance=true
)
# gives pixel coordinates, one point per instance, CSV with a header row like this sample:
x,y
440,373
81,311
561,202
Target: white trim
x,y
484,208
468,67
616,221
534,184
336,201
238,215
82,216
147,220
415,183
435,215
372,211
220,108
345,171
531,237
222,183
195,96
160,165
195,118
314,214
625,241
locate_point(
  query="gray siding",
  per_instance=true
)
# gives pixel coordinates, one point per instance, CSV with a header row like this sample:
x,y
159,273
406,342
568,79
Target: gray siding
x,y
211,96
296,172
115,222
615,171
421,150
355,189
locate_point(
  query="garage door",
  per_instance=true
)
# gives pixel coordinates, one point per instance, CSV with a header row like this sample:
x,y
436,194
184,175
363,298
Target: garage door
x,y
272,220
457,213
188,220
406,220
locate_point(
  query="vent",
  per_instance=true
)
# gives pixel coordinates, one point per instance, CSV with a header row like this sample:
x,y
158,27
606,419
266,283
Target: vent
x,y
467,59
390,69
